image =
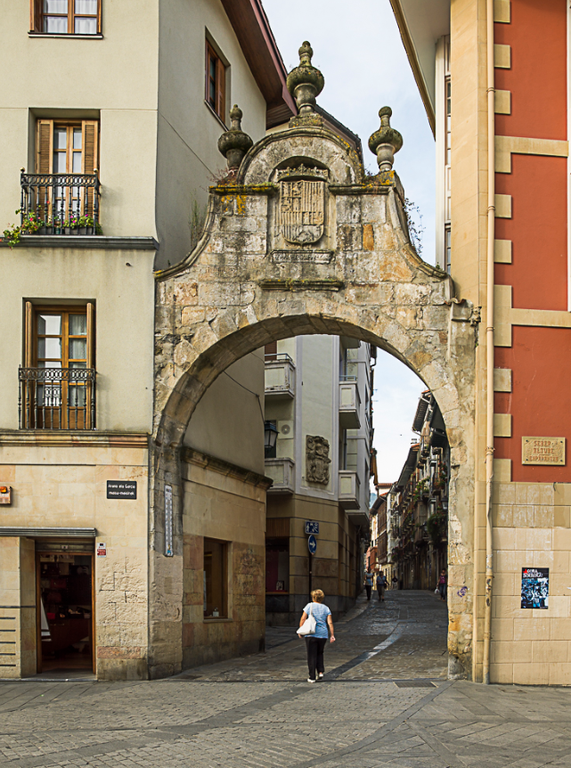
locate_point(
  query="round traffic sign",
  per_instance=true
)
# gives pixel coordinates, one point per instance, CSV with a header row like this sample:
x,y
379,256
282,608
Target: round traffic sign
x,y
312,544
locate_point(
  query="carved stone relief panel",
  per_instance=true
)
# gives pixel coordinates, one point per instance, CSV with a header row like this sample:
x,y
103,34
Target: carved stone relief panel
x,y
317,459
300,225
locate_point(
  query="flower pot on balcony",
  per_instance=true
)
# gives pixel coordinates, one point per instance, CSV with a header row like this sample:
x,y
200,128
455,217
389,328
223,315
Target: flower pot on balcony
x,y
90,231
42,231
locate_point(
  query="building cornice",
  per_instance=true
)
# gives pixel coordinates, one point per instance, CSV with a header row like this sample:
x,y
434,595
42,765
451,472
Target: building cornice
x,y
205,461
89,242
64,439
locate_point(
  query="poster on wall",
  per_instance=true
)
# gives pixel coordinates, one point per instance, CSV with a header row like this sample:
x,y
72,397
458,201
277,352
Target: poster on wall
x,y
535,587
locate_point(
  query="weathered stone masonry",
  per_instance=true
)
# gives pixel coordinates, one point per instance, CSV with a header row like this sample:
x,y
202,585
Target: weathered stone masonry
x,y
249,281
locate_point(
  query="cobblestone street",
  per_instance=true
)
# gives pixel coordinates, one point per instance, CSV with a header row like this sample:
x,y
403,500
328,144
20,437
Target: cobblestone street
x,y
385,701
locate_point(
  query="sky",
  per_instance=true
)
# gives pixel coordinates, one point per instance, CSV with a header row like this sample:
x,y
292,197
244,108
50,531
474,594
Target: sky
x,y
357,47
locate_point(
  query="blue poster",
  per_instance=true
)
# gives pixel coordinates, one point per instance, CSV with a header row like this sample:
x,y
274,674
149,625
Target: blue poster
x,y
535,587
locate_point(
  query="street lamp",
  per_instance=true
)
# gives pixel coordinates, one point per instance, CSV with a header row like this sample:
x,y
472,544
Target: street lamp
x,y
270,437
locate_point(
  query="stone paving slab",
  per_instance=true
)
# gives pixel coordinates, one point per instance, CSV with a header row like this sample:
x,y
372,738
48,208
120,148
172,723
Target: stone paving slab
x,y
384,702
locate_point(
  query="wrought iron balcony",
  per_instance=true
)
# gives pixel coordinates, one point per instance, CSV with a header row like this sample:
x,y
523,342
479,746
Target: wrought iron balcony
x,y
60,203
56,398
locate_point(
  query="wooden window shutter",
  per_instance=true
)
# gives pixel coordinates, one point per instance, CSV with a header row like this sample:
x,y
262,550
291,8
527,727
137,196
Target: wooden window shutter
x,y
90,141
44,146
90,335
35,15
89,128
28,335
220,89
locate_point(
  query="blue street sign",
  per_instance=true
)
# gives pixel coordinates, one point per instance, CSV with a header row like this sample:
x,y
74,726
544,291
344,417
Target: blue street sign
x,y
312,527
311,544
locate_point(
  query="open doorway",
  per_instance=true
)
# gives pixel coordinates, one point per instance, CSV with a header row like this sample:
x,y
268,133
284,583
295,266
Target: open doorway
x,y
65,602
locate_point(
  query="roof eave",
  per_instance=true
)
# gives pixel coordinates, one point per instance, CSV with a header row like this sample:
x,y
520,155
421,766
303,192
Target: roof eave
x,y
260,50
414,62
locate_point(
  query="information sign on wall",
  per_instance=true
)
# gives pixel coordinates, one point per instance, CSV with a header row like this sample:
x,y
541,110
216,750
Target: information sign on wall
x,y
121,489
168,521
101,549
311,526
543,450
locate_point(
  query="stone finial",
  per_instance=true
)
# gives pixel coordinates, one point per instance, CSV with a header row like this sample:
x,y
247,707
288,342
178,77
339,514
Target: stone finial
x,y
305,82
386,141
234,143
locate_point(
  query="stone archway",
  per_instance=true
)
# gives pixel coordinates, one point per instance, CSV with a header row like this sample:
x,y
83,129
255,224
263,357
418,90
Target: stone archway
x,y
298,241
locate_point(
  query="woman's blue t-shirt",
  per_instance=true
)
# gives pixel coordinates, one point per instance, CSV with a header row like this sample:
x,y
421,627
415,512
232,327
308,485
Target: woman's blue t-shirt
x,y
320,613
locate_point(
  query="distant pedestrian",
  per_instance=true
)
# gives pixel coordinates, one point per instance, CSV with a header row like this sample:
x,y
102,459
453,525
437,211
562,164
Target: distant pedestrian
x,y
394,581
442,584
368,582
381,586
315,644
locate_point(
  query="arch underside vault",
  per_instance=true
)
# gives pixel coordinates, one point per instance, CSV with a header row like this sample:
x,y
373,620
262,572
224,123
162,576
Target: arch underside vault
x,y
301,243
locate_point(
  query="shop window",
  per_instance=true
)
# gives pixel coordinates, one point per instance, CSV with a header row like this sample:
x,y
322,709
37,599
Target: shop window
x,y
277,565
215,579
215,77
57,382
66,17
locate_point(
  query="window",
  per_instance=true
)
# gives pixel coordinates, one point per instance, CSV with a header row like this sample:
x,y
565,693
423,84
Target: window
x,y
66,17
215,82
271,451
57,383
215,579
65,148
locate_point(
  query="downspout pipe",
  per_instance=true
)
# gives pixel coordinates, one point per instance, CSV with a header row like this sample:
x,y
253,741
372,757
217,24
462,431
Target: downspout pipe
x,y
490,91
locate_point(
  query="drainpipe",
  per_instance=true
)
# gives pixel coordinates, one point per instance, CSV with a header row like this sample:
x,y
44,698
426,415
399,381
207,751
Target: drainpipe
x,y
490,90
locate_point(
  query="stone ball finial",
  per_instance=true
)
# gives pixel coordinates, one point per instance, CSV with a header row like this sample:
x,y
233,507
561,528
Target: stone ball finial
x,y
305,81
386,141
234,143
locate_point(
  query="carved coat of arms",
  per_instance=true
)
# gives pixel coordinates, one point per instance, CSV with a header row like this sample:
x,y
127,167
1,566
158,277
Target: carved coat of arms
x,y
302,211
317,459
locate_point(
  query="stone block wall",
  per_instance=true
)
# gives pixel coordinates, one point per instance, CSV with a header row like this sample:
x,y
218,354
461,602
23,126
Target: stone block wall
x,y
531,529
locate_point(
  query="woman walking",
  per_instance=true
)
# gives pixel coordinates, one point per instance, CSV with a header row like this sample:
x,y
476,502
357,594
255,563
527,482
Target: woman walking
x,y
442,584
315,643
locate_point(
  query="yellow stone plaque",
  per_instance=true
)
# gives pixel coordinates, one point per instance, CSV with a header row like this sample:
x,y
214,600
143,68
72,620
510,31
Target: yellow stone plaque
x,y
543,450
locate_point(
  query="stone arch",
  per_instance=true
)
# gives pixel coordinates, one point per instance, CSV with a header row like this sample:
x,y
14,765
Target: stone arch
x,y
344,266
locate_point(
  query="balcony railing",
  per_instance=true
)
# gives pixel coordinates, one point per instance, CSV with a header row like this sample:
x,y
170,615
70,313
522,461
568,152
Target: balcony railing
x,y
282,473
279,376
60,203
349,403
56,398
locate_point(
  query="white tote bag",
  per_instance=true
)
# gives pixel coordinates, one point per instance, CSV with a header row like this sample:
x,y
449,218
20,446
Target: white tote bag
x,y
308,626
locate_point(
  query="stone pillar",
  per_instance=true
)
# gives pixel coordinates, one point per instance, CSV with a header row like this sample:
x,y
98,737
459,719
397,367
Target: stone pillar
x,y
18,634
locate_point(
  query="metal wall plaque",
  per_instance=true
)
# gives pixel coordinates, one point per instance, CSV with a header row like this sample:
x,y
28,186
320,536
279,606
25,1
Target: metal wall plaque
x,y
168,522
543,450
311,526
121,489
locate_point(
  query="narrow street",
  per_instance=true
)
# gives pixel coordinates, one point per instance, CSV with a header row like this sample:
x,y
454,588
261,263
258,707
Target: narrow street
x,y
385,700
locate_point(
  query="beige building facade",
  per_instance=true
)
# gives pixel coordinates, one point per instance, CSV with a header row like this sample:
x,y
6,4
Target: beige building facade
x,y
117,152
318,398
